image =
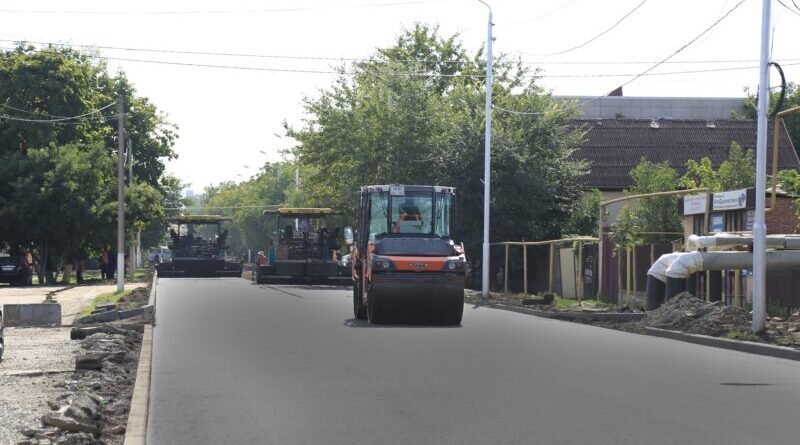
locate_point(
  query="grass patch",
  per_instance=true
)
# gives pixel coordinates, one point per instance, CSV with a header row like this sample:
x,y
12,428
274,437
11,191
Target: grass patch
x,y
569,303
110,297
741,335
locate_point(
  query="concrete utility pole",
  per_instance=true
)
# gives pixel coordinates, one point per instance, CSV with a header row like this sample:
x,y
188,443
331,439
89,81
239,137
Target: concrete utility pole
x,y
487,172
121,195
759,224
133,247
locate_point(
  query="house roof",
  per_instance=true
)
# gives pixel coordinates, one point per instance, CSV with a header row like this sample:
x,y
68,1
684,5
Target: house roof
x,y
614,146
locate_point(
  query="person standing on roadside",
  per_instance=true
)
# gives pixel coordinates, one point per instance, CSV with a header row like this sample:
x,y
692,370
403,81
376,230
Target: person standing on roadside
x,y
104,264
25,263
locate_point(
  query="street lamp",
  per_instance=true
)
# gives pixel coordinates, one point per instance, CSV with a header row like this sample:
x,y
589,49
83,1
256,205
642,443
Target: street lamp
x,y
487,174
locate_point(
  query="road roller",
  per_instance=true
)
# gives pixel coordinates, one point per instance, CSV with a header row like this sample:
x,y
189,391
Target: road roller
x,y
405,263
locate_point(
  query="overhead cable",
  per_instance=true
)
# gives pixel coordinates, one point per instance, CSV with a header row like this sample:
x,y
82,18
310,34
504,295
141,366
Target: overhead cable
x,y
628,14
676,52
218,11
59,119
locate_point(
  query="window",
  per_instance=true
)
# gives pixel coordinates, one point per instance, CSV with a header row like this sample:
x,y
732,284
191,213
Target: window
x,y
443,208
412,213
378,217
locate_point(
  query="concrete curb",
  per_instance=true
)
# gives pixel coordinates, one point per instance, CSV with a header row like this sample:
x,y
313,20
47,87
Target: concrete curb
x,y
572,316
152,300
725,343
136,430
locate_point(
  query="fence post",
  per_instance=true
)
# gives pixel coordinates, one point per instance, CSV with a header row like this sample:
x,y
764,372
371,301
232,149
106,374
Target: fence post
x,y
628,275
635,287
525,267
505,278
579,282
552,259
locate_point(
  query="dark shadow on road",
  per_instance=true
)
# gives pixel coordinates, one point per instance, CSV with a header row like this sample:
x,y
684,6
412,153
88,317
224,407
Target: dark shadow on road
x,y
746,384
356,323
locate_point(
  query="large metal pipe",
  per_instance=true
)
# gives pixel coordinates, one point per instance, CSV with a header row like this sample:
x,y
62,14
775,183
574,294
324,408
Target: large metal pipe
x,y
680,265
788,242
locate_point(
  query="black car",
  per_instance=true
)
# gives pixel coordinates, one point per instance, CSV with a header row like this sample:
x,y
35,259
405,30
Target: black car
x,y
11,270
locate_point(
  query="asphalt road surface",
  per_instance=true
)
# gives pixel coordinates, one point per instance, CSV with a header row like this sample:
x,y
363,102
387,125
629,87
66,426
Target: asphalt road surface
x,y
236,363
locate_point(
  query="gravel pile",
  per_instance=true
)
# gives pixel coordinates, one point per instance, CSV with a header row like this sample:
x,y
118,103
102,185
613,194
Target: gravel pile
x,y
93,407
686,313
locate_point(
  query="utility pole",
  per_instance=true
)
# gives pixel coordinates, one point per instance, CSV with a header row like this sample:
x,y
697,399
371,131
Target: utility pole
x,y
487,173
759,223
131,249
121,194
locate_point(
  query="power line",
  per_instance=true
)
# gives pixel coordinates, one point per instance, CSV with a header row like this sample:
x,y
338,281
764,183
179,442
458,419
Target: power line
x,y
431,75
538,17
793,11
522,113
628,14
676,52
353,59
220,11
60,119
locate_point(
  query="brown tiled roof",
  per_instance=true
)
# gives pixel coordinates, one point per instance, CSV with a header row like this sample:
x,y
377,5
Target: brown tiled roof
x,y
615,146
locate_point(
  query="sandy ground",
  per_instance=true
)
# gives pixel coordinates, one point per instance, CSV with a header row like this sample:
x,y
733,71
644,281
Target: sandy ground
x,y
35,360
72,300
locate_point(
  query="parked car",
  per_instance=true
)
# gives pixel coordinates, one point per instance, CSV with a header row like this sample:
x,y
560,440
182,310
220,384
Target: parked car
x,y
159,255
10,269
345,265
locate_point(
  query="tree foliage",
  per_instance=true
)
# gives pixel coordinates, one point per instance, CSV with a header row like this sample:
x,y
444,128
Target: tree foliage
x,y
381,126
736,172
657,213
58,150
792,121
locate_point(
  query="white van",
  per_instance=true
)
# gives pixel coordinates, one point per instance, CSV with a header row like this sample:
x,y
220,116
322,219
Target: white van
x,y
159,255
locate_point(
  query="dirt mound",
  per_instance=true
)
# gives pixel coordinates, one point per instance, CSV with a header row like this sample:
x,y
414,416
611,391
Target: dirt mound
x,y
136,298
686,313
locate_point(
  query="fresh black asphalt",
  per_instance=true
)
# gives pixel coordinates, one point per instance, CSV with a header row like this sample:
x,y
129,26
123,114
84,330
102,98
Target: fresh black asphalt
x,y
237,363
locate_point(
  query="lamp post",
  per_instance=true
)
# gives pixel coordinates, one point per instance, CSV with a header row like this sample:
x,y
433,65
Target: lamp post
x,y
486,159
759,223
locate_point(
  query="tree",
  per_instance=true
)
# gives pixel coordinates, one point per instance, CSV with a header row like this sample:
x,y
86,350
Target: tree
x,y
584,218
384,125
792,99
657,213
58,144
739,170
736,172
58,197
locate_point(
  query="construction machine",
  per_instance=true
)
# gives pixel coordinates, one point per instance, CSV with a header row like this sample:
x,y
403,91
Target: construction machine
x,y
304,248
403,256
198,246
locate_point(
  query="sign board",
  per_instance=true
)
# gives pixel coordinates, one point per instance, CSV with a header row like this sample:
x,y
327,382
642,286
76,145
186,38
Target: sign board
x,y
694,204
730,200
397,190
717,222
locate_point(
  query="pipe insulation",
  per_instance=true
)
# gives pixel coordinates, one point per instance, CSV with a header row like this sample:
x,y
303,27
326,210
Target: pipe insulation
x,y
682,265
786,242
659,268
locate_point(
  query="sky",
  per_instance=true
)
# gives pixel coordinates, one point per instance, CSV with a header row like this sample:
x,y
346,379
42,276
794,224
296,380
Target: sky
x,y
231,120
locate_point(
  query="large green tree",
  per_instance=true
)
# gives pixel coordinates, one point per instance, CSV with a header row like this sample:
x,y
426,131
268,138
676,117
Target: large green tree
x,y
58,149
414,113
